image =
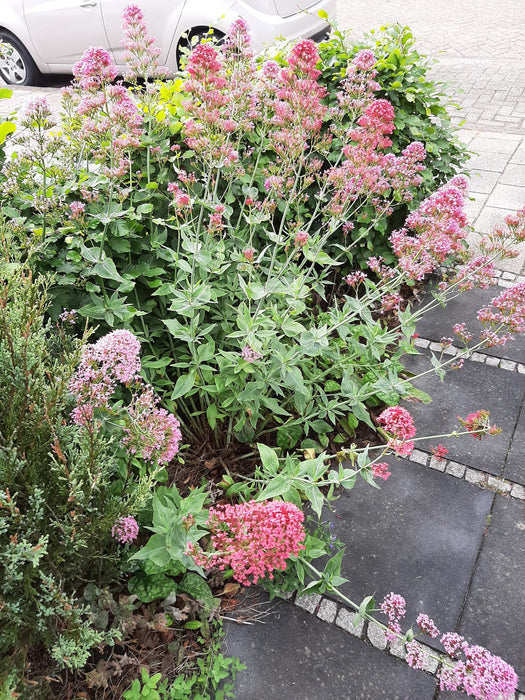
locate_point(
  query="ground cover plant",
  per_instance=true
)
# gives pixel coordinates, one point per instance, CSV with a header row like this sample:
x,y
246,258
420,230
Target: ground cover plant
x,y
213,229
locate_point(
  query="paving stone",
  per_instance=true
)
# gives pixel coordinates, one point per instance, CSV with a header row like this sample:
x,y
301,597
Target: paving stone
x,y
419,457
508,365
327,610
438,322
514,174
464,391
494,613
495,162
418,535
518,491
308,602
455,469
491,145
345,620
475,477
437,464
297,656
376,636
483,181
397,648
498,485
505,196
515,464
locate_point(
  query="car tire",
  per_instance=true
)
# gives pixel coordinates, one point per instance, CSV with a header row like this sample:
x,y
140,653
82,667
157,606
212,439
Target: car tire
x,y
18,68
194,36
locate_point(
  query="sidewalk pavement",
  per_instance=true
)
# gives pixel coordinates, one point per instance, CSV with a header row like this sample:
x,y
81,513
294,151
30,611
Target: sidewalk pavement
x,y
447,535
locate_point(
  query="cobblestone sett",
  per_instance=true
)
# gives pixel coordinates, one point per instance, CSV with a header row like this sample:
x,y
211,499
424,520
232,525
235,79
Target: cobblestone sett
x,y
327,610
474,477
308,602
376,636
455,469
345,620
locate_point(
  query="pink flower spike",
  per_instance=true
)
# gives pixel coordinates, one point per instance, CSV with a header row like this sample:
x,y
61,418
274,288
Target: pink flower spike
x,y
427,625
380,471
125,530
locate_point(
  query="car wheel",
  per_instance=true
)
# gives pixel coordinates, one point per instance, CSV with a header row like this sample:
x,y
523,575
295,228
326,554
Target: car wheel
x,y
191,38
16,65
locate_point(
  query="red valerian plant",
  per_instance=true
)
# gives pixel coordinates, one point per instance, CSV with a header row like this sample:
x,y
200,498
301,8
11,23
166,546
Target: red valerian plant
x,y
253,539
479,673
478,424
150,433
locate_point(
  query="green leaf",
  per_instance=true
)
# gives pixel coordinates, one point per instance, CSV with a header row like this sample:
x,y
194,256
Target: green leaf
x,y
107,270
145,208
193,625
316,498
275,487
195,586
6,128
269,458
211,415
288,436
152,587
184,385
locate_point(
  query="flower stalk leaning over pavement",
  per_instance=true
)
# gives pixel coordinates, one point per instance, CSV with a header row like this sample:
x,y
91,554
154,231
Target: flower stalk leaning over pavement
x,y
256,538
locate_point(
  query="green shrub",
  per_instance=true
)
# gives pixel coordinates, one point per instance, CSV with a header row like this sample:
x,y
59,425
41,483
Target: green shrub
x,y
58,496
212,227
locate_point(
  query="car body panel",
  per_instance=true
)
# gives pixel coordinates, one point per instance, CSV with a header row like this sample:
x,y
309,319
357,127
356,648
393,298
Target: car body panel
x,y
57,32
62,30
286,8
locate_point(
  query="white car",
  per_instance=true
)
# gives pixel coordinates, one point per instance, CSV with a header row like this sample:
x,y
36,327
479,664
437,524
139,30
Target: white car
x,y
50,36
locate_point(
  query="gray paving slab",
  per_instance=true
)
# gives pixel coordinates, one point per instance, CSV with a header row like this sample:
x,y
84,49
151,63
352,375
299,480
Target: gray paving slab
x,y
418,535
297,656
476,386
515,464
439,322
494,614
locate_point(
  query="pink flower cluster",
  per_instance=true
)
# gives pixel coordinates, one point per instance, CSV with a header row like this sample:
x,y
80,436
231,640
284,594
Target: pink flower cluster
x,y
505,315
95,69
394,606
254,539
113,358
111,121
152,433
480,673
125,530
249,354
439,452
380,470
77,209
438,226
399,423
478,424
142,56
427,625
38,112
